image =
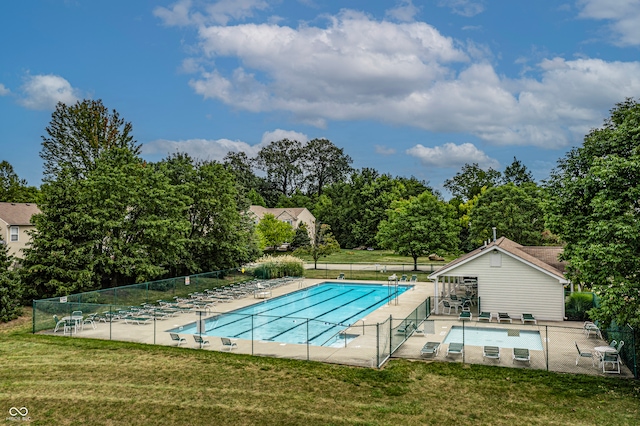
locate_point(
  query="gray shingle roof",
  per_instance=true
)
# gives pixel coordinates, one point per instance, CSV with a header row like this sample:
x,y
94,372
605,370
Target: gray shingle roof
x,y
18,213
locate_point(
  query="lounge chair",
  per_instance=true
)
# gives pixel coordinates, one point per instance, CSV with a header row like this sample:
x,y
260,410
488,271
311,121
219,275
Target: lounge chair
x,y
90,319
406,328
414,279
449,306
503,316
521,354
465,315
227,343
59,323
430,349
484,316
492,352
455,349
200,341
176,338
584,354
529,318
612,358
341,276
403,279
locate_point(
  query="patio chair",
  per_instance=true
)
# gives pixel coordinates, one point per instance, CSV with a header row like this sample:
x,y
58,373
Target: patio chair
x,y
521,354
200,341
90,319
227,343
341,276
447,305
59,323
619,347
430,349
176,338
612,358
484,316
491,352
414,279
584,354
590,327
529,318
455,349
465,315
403,279
503,316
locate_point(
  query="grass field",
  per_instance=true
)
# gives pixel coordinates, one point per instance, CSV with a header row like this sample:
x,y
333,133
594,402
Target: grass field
x,y
64,381
376,256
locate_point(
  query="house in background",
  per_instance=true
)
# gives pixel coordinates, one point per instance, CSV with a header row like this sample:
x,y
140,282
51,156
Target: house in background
x,y
15,221
508,277
294,216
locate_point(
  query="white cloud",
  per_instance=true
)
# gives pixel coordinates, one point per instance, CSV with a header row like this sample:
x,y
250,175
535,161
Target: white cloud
x,y
623,15
203,149
221,12
3,90
405,11
405,74
452,155
466,8
45,91
280,134
383,150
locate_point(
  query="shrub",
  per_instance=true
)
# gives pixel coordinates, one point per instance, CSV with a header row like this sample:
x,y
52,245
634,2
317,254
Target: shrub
x,y
577,306
278,266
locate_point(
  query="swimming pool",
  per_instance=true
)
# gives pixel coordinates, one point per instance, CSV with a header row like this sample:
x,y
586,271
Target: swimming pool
x,y
315,315
501,337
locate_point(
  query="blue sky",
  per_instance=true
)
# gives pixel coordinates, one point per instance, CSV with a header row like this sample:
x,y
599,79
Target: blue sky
x,y
411,88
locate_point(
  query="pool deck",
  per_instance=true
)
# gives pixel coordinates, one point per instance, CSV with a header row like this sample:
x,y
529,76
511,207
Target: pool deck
x,y
363,350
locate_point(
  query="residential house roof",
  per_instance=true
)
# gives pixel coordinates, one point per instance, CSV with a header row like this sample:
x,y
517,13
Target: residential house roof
x,y
18,213
542,258
279,213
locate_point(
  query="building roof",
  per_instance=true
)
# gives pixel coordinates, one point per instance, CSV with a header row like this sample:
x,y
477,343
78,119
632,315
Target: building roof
x,y
18,213
542,258
293,212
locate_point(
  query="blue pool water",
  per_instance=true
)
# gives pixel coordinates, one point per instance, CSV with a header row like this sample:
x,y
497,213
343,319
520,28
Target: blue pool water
x,y
315,315
477,336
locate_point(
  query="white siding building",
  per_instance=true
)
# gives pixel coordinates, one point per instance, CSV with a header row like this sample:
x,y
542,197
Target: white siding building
x,y
510,278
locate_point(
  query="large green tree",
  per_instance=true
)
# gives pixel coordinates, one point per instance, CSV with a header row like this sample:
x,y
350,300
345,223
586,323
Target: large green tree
x,y
515,212
282,161
419,226
323,163
595,209
517,173
79,133
468,182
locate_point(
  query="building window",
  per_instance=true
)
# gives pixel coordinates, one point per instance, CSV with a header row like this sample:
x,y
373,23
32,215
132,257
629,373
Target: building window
x,y
496,259
14,232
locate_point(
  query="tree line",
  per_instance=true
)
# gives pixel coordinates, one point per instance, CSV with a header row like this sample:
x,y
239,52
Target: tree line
x,y
109,218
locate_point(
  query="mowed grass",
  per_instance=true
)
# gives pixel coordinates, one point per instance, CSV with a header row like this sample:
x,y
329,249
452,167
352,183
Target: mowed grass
x,y
66,381
381,257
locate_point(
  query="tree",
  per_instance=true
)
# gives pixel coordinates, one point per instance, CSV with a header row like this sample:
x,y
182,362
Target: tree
x,y
78,134
470,180
515,213
12,188
517,173
10,286
273,232
282,161
219,236
595,209
323,244
301,237
418,227
323,164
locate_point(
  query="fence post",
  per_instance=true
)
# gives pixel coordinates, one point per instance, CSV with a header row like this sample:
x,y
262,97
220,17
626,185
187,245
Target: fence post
x,y
546,339
33,317
308,356
251,334
390,334
463,342
377,345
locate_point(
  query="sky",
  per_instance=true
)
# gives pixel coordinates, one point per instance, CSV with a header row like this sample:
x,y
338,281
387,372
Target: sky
x,y
408,87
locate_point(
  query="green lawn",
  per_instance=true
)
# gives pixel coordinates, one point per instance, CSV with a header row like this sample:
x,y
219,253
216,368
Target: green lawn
x,y
64,381
376,256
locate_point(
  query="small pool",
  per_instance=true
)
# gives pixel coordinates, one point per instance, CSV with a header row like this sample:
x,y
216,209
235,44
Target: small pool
x,y
315,315
501,337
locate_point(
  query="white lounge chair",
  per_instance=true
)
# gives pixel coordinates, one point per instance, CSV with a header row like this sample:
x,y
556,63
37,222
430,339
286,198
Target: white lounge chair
x,y
176,338
227,343
491,352
521,354
612,358
584,354
200,341
455,349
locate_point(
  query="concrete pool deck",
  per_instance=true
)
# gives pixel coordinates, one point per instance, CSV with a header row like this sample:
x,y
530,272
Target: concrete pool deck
x,y
364,349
